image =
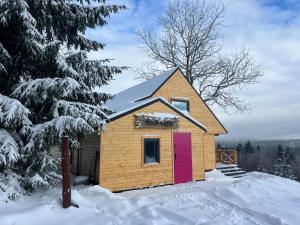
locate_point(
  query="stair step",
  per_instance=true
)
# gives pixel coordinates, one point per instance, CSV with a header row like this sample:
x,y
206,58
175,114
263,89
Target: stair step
x,y
235,173
231,170
225,167
238,176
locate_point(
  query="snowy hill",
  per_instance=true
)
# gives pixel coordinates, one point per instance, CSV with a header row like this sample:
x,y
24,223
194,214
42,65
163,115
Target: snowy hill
x,y
254,199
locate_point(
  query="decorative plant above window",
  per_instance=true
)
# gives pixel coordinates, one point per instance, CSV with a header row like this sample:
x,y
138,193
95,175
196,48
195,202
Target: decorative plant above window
x,y
157,120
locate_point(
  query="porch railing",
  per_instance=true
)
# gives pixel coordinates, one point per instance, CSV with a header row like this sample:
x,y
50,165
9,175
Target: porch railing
x,y
226,156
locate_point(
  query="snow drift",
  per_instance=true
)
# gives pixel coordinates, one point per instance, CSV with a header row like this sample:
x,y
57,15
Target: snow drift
x,y
254,199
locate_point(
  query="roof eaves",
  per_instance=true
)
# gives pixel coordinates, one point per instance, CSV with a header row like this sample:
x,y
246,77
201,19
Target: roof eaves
x,y
125,112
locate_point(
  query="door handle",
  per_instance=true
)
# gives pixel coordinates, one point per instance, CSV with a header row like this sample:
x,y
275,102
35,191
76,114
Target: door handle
x,y
175,156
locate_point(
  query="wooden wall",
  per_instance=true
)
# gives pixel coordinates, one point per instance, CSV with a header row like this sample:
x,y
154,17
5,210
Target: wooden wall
x,y
121,162
209,151
89,145
178,86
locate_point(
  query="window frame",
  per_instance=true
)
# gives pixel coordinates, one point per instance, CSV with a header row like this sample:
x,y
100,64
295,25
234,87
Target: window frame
x,y
144,138
181,100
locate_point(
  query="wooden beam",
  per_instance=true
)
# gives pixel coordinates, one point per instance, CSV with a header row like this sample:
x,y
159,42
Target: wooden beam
x,y
66,179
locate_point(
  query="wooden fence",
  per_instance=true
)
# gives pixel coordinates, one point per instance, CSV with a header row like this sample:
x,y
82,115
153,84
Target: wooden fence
x,y
226,156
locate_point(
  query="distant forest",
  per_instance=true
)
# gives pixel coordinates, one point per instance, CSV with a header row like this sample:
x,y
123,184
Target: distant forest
x,y
278,157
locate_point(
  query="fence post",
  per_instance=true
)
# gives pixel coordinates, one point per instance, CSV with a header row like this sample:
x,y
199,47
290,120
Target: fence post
x,y
66,180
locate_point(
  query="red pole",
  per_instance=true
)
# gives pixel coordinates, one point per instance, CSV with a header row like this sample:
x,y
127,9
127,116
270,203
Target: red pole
x,y
66,180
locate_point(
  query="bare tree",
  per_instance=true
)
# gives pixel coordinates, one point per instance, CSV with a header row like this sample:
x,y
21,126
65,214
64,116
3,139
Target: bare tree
x,y
188,37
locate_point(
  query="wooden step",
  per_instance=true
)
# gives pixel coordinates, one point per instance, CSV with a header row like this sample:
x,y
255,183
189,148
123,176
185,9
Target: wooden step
x,y
235,173
226,167
239,176
231,170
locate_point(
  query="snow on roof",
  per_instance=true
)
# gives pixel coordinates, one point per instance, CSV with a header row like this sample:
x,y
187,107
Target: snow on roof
x,y
127,98
135,105
159,115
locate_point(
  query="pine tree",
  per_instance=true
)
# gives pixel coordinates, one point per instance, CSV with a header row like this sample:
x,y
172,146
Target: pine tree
x,y
248,148
45,69
260,162
14,122
258,148
240,152
283,166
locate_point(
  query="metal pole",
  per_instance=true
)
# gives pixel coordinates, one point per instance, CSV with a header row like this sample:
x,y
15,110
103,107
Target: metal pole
x,y
66,180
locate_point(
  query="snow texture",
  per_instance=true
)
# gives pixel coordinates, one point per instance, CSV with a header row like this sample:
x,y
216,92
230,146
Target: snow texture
x,y
59,127
128,97
256,199
157,117
10,186
9,148
160,115
47,88
92,114
12,113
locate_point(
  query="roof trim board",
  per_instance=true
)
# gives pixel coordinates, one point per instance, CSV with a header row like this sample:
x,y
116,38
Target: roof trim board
x,y
118,115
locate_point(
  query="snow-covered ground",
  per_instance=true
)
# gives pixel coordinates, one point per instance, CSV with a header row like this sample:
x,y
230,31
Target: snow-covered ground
x,y
254,199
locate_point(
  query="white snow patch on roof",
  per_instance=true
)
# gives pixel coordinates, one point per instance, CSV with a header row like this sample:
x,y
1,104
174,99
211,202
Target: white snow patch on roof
x,y
127,98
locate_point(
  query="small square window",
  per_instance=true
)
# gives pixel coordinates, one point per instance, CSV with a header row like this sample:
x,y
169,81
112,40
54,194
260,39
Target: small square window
x,y
182,105
151,150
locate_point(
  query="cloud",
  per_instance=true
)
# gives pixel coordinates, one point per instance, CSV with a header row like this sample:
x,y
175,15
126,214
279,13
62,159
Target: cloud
x,y
272,35
268,28
121,41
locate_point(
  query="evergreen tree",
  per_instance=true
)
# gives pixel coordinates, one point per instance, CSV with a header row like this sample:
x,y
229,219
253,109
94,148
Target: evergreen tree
x,y
258,148
248,148
283,166
45,70
14,122
240,151
260,161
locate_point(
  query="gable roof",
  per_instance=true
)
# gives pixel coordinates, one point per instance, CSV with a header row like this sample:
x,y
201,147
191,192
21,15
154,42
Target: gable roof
x,y
130,96
144,103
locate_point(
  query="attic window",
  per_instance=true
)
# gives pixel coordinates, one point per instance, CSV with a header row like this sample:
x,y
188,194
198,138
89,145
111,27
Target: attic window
x,y
182,105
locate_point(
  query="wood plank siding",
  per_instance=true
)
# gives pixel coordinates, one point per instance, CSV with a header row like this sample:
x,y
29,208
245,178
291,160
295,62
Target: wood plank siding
x,y
121,156
209,151
178,87
88,164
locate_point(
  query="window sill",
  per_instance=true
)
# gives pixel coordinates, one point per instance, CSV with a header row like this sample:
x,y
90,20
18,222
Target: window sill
x,y
151,164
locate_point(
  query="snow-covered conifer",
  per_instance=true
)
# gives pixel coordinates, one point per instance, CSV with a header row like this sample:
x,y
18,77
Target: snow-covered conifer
x,y
44,65
13,120
283,166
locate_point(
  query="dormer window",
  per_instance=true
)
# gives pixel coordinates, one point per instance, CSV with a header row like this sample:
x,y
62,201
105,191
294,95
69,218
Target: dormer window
x,y
181,104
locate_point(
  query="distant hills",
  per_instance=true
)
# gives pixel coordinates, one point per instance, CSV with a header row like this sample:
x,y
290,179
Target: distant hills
x,y
293,144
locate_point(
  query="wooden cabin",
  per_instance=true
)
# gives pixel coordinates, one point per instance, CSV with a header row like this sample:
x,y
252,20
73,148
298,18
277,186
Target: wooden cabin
x,y
161,132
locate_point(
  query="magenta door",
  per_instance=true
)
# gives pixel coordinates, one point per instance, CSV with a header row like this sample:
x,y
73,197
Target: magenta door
x,y
182,157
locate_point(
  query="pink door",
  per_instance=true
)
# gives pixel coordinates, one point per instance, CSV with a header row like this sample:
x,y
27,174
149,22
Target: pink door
x,y
182,157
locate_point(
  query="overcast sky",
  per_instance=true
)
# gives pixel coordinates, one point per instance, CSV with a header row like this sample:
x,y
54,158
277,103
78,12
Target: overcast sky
x,y
270,29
